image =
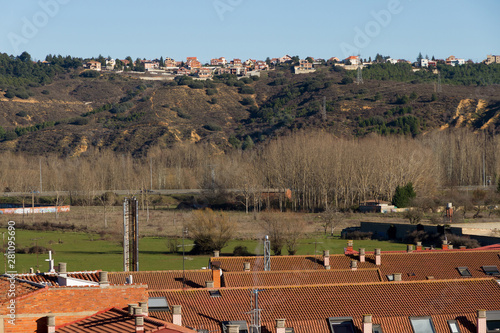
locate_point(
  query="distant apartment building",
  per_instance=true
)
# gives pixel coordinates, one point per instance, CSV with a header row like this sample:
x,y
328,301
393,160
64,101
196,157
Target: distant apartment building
x,y
261,65
204,73
93,65
304,67
453,61
151,65
285,59
334,59
492,59
218,62
236,63
110,64
170,63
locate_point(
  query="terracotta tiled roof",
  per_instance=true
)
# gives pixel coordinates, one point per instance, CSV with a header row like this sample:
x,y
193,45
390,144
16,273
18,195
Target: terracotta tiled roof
x,y
116,320
21,289
289,278
307,308
414,266
50,279
161,280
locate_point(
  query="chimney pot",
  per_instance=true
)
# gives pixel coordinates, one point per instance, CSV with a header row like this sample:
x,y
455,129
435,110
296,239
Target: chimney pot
x,y
326,258
326,253
354,265
233,328
32,270
450,246
280,326
397,277
361,255
62,268
103,279
177,315
216,253
481,321
327,267
378,259
137,311
246,266
209,284
367,323
131,309
409,248
144,307
462,247
139,324
350,245
51,324
419,246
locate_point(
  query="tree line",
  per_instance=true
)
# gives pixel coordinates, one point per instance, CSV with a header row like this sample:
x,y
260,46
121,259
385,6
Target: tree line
x,y
321,170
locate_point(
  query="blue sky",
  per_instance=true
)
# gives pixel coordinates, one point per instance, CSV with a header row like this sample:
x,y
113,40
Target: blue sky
x,y
251,28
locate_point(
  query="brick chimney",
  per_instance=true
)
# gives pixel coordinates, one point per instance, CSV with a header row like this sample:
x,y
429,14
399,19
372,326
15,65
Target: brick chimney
x,y
139,324
462,247
144,307
481,321
280,325
131,309
177,315
233,328
445,244
137,311
378,259
419,246
367,323
216,274
354,265
350,245
361,255
246,266
397,277
51,324
326,259
409,248
216,253
209,284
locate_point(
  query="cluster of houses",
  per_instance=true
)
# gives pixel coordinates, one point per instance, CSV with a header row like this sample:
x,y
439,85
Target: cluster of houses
x,y
419,290
217,66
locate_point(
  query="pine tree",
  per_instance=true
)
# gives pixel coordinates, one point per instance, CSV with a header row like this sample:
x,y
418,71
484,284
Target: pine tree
x,y
403,195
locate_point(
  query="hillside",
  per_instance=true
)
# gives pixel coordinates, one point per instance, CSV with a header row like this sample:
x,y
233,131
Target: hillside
x,y
73,114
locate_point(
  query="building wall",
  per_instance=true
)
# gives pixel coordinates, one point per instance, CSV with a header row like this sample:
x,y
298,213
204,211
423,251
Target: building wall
x,y
380,229
67,304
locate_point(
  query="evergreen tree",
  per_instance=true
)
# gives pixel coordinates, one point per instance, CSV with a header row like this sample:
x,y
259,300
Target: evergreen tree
x,y
420,57
403,195
248,143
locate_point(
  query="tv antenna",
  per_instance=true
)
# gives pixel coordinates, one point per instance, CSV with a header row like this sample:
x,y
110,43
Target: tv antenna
x,y
267,254
255,321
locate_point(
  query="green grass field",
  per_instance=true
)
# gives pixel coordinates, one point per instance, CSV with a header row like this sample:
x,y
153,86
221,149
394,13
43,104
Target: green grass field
x,y
82,251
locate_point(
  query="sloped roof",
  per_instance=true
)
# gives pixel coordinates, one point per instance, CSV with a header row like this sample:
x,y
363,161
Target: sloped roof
x,y
21,289
279,263
117,320
290,278
307,308
161,280
50,279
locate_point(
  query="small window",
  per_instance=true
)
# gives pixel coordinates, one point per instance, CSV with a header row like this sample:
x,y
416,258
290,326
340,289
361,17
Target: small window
x,y
390,277
422,325
493,321
158,304
214,293
453,326
289,330
464,271
243,325
491,270
377,329
341,324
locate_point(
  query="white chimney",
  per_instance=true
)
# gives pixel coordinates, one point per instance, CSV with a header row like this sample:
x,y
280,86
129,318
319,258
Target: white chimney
x,y
103,279
139,324
481,321
144,307
397,277
354,265
131,309
246,266
361,255
51,324
326,258
233,328
216,253
378,259
367,323
280,326
177,315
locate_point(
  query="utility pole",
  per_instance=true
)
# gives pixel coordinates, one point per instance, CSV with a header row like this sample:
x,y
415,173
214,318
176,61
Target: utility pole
x,y
151,171
41,187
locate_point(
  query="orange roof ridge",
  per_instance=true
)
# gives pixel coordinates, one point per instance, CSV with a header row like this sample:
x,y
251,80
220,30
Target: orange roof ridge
x,y
301,271
163,271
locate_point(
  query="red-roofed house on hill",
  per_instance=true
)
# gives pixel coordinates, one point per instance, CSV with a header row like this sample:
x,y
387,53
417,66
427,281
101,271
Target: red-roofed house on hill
x,y
218,62
352,60
192,63
93,65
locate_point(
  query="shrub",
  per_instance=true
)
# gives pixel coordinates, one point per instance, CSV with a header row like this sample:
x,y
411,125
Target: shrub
x,y
247,90
458,241
213,127
173,245
22,94
22,114
358,235
346,80
211,91
246,80
89,73
213,100
80,121
196,85
248,101
10,94
241,251
45,92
